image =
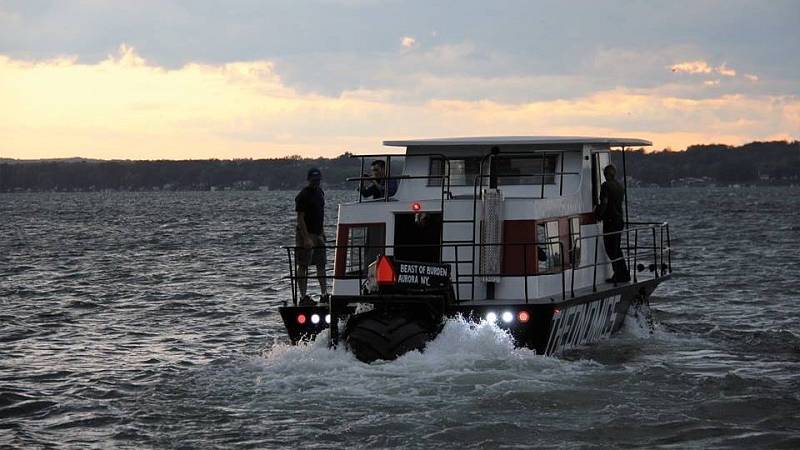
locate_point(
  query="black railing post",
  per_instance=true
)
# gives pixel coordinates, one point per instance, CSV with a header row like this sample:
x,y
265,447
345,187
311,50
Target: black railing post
x,y
387,178
661,248
291,276
442,203
625,196
594,277
635,253
478,179
361,270
575,268
669,251
541,176
361,180
655,253
525,268
563,282
458,278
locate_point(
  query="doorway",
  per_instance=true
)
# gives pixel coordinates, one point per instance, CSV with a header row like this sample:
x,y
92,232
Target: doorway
x,y
418,237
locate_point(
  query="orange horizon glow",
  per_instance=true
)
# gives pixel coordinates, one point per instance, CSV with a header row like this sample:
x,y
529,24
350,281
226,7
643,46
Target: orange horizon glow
x,y
126,108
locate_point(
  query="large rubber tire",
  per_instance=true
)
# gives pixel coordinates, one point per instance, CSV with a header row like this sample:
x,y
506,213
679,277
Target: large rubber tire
x,y
372,336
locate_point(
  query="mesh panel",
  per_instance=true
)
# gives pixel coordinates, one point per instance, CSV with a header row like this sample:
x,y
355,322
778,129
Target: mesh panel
x,y
491,233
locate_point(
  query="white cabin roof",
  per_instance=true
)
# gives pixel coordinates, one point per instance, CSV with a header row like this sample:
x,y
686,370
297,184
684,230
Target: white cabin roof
x,y
519,140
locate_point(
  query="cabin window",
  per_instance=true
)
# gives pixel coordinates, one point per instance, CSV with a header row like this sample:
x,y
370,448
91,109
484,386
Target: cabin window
x,y
356,241
575,241
364,243
462,171
548,248
530,170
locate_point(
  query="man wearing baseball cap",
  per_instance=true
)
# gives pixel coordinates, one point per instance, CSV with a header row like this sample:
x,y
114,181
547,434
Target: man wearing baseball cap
x,y
309,236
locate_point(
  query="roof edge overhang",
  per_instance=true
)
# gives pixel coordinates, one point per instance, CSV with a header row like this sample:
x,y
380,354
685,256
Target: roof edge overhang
x,y
520,140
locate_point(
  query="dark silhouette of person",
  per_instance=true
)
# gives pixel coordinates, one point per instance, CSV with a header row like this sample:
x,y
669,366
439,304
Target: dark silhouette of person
x,y
609,211
309,238
376,188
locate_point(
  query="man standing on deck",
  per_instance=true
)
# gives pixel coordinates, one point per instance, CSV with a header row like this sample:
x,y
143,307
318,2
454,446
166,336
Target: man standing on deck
x,y
377,187
309,237
610,212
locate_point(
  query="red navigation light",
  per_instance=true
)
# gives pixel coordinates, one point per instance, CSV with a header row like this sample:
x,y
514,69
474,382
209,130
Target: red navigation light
x,y
385,273
524,316
416,206
301,319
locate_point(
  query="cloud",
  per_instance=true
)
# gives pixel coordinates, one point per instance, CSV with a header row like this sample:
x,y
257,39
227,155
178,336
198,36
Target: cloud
x,y
126,56
408,42
174,33
751,77
725,71
711,82
691,67
702,67
125,106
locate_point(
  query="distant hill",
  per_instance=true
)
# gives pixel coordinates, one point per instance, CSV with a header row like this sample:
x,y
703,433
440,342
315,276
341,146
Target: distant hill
x,y
776,162
35,161
77,174
754,163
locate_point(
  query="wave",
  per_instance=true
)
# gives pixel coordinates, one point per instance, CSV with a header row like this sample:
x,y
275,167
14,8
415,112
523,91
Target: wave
x,y
464,355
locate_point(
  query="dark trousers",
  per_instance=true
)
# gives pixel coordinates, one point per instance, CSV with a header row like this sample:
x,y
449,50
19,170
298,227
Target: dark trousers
x,y
613,243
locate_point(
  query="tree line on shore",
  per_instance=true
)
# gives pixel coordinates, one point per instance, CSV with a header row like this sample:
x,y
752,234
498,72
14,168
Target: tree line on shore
x,y
776,162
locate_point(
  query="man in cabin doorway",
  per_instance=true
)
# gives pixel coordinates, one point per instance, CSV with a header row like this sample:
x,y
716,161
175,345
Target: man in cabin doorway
x,y
309,236
376,188
610,212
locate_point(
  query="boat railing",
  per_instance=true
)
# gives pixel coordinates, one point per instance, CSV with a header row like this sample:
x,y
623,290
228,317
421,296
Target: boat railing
x,y
388,160
659,248
444,179
654,243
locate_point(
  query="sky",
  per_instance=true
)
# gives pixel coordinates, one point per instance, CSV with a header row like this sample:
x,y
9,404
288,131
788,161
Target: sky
x,y
200,79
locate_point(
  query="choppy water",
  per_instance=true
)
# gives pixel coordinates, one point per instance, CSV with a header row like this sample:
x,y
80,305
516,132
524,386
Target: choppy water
x,y
149,320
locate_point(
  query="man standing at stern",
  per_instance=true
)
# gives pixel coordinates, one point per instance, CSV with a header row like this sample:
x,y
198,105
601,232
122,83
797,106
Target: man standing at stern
x,y
610,212
309,236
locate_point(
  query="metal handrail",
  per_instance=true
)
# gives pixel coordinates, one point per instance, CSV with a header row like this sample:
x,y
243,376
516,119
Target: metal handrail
x,y
660,249
477,244
652,226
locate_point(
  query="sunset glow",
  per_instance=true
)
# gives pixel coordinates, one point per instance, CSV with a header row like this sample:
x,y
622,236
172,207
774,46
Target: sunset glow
x,y
130,104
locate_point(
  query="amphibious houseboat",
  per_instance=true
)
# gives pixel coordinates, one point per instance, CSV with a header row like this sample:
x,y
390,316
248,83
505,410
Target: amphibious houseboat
x,y
498,229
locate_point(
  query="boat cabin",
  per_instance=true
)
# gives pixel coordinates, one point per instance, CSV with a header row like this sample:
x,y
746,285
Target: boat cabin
x,y
512,216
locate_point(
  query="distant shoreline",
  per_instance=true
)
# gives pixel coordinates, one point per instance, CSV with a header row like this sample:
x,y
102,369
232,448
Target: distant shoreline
x,y
756,163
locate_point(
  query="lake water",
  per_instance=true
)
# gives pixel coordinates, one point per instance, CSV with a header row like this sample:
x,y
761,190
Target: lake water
x,y
149,320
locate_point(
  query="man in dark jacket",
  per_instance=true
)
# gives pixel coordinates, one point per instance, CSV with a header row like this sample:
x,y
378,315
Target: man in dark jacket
x,y
309,238
610,212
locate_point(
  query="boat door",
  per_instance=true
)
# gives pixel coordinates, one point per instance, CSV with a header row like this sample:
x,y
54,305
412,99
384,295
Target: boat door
x,y
417,236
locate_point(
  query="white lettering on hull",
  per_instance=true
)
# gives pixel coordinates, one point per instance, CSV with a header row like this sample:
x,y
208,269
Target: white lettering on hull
x,y
436,271
421,275
582,324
